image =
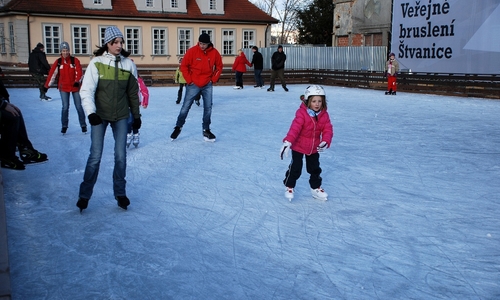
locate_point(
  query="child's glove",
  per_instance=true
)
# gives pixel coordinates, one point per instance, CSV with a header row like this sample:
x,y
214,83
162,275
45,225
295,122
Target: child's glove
x,y
285,149
322,146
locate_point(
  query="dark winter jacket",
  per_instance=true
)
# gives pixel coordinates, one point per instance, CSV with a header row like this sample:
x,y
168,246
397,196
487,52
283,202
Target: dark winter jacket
x,y
278,60
37,62
257,61
110,88
306,132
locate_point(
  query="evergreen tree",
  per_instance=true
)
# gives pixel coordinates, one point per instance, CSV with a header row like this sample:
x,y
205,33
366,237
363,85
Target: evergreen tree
x,y
315,23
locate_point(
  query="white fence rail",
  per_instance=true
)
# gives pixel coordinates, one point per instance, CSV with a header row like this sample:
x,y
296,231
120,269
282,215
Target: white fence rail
x,y
327,58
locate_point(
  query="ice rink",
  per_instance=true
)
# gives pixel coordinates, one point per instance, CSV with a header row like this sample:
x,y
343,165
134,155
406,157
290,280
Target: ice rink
x,y
413,211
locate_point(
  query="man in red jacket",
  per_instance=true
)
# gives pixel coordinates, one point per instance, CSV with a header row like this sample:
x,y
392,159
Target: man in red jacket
x,y
201,67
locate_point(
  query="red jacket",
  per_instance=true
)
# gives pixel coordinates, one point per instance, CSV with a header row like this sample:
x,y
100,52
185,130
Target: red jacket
x,y
239,63
200,67
306,132
68,75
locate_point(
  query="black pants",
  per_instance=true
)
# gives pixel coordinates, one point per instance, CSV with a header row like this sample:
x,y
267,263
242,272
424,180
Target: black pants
x,y
280,74
239,78
13,132
295,169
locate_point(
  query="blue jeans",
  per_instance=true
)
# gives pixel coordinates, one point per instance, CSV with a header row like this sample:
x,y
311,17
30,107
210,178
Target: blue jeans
x,y
258,77
65,108
192,91
94,161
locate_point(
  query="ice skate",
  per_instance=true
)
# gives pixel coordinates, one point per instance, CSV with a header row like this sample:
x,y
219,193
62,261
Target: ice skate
x,y
208,136
175,134
123,201
84,129
63,130
135,139
82,204
129,139
289,193
319,193
13,163
32,156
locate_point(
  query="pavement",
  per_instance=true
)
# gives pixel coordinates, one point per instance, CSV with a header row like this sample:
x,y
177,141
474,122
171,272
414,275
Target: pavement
x,y
5,291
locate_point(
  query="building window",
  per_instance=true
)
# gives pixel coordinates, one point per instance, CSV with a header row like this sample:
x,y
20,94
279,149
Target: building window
x,y
184,37
212,5
210,33
248,38
160,41
52,38
102,33
80,39
228,38
98,2
174,4
133,40
12,38
149,3
3,48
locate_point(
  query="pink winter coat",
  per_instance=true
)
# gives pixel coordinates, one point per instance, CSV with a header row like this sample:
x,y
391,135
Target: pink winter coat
x,y
306,133
143,93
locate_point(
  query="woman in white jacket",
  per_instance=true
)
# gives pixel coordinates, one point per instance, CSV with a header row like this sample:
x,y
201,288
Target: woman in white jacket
x,y
109,92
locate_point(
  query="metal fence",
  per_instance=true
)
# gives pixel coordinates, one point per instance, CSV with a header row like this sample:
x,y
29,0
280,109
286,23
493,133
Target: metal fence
x,y
327,58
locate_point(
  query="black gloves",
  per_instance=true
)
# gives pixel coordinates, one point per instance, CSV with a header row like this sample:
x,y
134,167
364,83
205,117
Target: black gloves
x,y
94,119
76,84
137,123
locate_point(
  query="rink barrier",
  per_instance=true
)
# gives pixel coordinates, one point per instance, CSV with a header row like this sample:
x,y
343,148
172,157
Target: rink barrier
x,y
465,85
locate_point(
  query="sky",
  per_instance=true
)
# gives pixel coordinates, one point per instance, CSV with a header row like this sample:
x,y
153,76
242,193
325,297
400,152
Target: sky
x,y
412,213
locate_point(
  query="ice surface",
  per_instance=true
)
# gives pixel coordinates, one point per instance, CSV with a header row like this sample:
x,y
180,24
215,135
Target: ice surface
x,y
412,213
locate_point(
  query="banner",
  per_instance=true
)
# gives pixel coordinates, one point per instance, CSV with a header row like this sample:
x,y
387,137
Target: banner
x,y
447,36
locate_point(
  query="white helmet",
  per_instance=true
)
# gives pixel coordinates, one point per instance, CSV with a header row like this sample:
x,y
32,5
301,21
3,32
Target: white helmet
x,y
314,90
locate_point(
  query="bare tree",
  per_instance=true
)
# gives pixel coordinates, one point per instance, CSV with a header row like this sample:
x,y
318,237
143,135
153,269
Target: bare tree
x,y
283,10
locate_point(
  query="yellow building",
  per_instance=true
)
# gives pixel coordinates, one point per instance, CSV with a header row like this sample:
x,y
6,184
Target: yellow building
x,y
157,32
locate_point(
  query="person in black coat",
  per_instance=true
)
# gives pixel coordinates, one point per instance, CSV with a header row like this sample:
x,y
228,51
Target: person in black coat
x,y
258,65
278,69
39,67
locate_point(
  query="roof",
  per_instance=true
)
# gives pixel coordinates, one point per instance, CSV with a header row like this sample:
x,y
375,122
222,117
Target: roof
x,y
240,11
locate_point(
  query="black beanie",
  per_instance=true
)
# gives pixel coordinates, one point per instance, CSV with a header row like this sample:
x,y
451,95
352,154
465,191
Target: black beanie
x,y
204,38
40,45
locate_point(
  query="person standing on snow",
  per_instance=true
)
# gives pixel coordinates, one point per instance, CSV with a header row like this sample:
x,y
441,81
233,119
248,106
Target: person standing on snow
x,y
39,67
258,65
67,73
240,67
392,69
311,132
278,69
109,93
201,67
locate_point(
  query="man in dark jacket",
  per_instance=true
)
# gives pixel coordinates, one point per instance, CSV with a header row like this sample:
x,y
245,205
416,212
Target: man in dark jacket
x,y
39,67
14,136
258,65
278,69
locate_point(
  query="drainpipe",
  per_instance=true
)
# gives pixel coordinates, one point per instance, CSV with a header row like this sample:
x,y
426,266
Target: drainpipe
x,y
265,36
29,33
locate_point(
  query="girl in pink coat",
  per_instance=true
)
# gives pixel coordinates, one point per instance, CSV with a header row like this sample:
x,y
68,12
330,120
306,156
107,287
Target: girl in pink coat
x,y
311,132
